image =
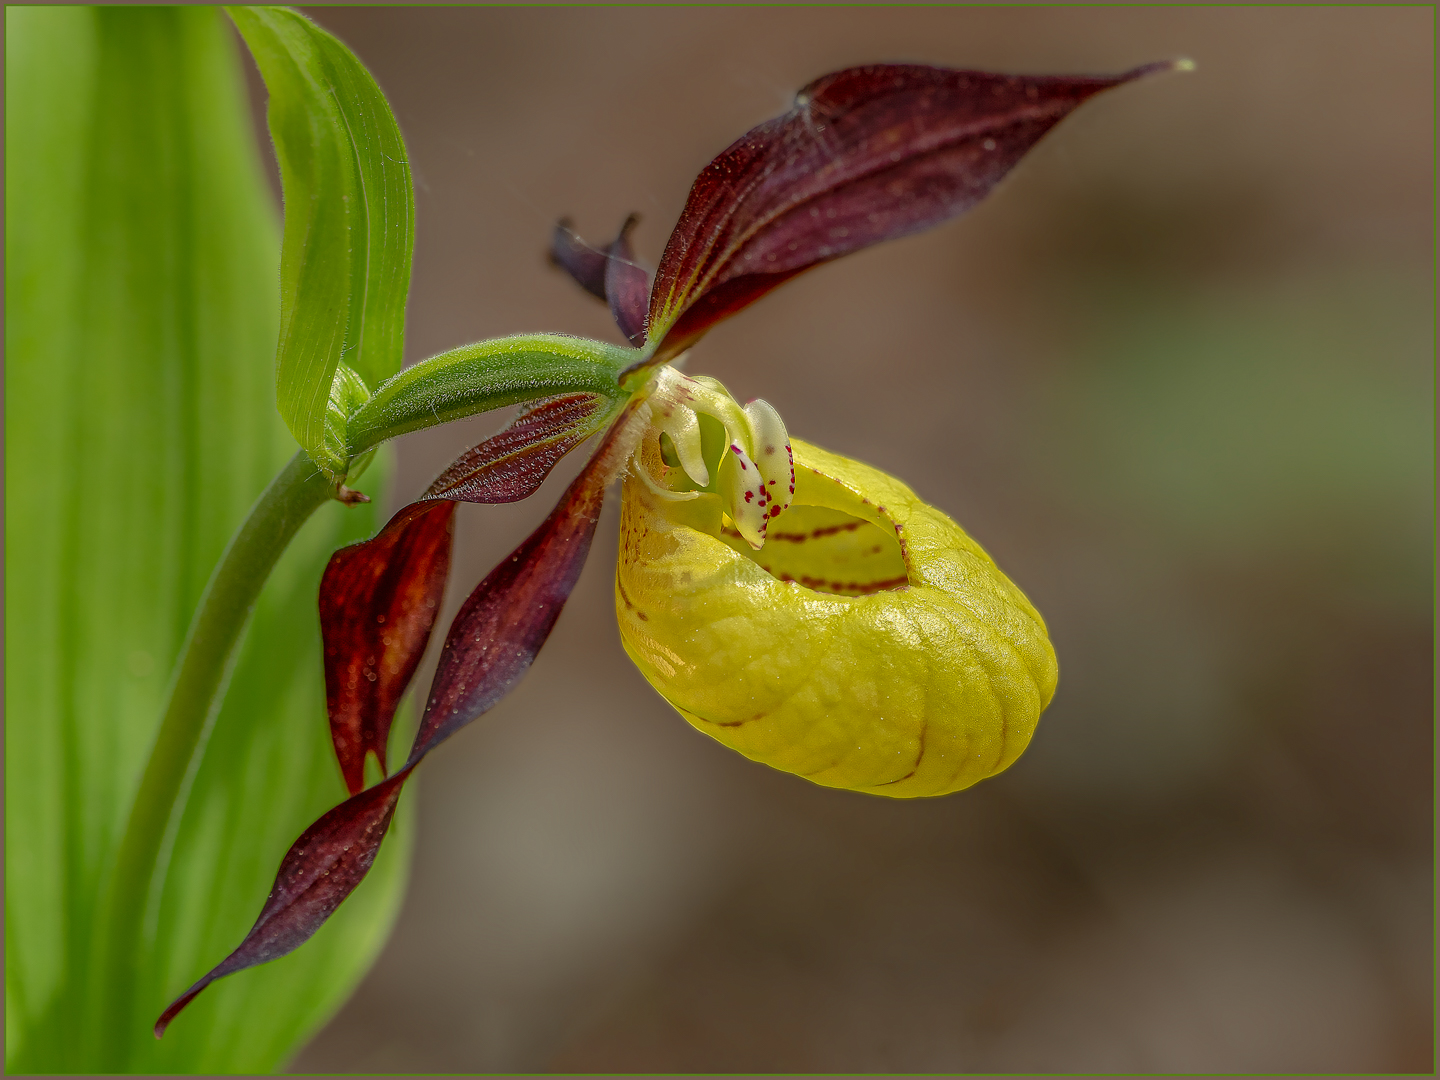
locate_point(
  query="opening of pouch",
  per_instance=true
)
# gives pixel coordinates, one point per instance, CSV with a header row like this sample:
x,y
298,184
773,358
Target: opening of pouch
x,y
826,550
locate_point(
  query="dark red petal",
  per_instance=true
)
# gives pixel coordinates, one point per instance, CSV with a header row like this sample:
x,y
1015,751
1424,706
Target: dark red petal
x,y
319,871
581,261
627,285
866,154
501,627
512,464
378,601
491,643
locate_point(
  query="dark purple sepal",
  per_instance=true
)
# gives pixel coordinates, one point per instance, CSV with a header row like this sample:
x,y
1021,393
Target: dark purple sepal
x,y
378,602
319,871
627,285
581,261
866,154
491,643
501,627
512,464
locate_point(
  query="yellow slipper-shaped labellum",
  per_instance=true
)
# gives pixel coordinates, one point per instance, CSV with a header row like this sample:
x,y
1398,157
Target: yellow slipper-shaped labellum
x,y
869,644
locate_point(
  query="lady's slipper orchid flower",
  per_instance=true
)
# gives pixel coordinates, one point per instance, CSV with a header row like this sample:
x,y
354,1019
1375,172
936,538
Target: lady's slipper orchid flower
x,y
869,644
805,609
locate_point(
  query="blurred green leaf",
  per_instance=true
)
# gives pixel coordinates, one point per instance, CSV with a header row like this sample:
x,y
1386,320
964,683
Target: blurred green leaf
x,y
349,219
1291,422
141,249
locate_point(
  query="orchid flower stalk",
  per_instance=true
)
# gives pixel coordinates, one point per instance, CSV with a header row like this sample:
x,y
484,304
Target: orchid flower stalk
x,y
805,609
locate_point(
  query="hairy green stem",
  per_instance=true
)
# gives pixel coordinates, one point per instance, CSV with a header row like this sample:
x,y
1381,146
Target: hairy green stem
x,y
203,667
483,376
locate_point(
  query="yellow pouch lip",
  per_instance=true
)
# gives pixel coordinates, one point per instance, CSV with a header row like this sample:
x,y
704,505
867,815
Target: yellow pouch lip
x,y
916,690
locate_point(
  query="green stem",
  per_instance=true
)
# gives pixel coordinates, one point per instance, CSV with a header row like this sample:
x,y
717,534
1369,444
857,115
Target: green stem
x,y
483,376
202,670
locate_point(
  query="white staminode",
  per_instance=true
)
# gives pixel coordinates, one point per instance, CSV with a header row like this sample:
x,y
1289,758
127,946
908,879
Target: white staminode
x,y
756,475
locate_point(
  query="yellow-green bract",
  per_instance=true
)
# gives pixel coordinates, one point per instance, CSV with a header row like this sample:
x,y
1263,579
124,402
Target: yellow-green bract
x,y
870,644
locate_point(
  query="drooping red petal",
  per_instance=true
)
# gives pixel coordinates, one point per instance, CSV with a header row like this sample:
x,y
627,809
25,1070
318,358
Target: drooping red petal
x,y
581,261
627,285
491,643
512,464
502,625
866,154
378,601
500,628
319,871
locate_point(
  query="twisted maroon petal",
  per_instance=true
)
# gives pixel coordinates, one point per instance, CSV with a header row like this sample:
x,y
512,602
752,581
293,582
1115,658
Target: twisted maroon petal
x,y
319,871
866,154
491,643
501,627
378,601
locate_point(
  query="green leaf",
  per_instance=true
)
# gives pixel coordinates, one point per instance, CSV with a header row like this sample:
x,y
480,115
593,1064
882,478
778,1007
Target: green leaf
x,y
349,219
141,250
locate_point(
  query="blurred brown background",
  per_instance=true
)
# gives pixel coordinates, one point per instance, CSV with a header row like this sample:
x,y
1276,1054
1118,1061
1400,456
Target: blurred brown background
x,y
1175,374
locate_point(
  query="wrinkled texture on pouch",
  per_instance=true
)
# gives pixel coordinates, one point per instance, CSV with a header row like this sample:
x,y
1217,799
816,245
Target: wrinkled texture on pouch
x,y
906,664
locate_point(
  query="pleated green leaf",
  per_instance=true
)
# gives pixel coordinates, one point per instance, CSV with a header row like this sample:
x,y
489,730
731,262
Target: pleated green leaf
x,y
349,219
141,249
